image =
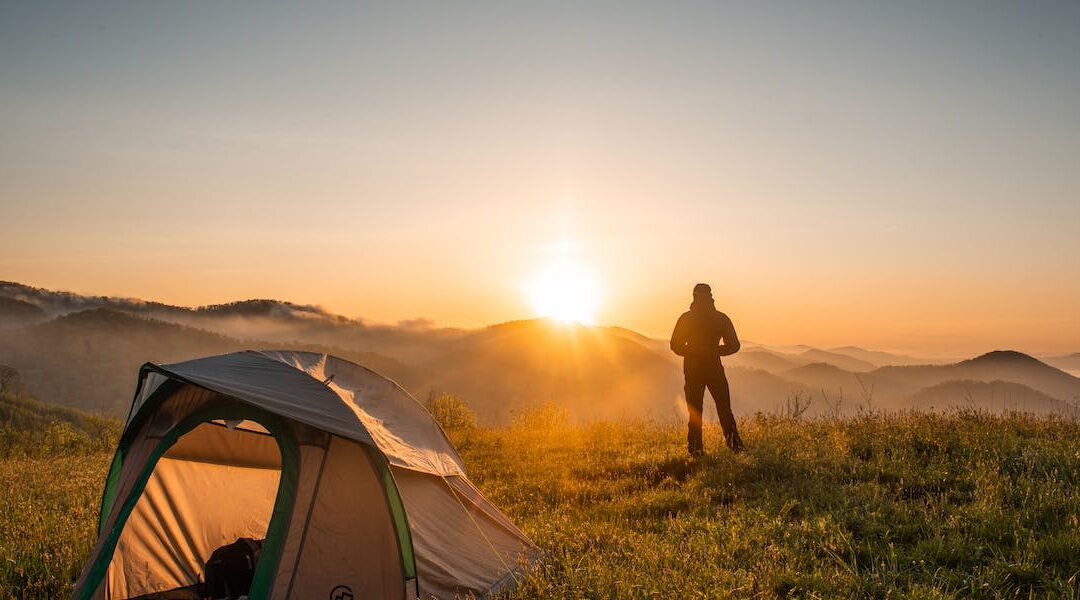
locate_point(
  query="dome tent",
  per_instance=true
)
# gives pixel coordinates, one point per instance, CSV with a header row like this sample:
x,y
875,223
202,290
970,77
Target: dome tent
x,y
354,488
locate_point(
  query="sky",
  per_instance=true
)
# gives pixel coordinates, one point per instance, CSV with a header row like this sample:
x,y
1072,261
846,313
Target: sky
x,y
900,175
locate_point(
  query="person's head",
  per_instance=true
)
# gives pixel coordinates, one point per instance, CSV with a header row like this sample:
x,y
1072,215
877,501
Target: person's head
x,y
702,291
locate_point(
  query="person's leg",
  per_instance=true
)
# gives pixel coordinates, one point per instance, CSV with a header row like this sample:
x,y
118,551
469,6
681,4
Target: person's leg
x,y
695,395
718,387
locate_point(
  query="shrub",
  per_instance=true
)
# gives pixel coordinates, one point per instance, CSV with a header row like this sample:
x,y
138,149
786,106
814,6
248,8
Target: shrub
x,y
451,412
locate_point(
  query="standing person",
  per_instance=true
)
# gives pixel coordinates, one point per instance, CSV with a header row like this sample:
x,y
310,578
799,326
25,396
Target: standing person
x,y
697,338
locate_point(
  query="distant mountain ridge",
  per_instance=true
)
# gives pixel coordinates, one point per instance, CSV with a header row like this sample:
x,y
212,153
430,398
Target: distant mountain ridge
x,y
1022,368
15,312
835,358
598,372
54,303
879,358
850,358
1065,362
84,352
258,319
269,308
90,359
1005,395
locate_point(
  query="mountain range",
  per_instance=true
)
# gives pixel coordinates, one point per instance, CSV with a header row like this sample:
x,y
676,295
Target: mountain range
x,y
84,352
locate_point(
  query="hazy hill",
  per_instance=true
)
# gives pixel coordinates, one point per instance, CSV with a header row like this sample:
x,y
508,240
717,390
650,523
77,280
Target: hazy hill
x,y
659,345
994,396
849,358
833,379
89,355
759,358
838,360
897,388
16,313
1066,362
1004,365
821,375
285,322
756,390
90,359
790,349
878,358
266,320
56,303
595,372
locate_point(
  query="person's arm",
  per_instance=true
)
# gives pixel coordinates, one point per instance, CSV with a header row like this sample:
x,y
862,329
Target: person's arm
x,y
678,337
727,332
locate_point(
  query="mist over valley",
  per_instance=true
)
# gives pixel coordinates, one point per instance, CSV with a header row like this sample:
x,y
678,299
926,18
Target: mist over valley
x,y
84,352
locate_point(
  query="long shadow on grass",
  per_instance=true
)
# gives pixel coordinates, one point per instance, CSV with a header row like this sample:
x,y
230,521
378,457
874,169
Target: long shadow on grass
x,y
673,470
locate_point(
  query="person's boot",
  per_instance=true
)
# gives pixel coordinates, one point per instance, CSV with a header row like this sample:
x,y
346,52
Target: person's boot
x,y
695,450
734,442
695,444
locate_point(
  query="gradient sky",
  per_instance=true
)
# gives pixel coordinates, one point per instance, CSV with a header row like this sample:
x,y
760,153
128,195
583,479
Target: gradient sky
x,y
903,175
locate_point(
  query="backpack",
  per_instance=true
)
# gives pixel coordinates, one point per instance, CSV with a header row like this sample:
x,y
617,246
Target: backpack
x,y
231,568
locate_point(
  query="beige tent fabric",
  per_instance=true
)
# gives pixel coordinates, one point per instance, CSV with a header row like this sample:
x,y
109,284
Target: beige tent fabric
x,y
188,510
400,426
463,544
261,381
311,461
350,538
186,400
214,443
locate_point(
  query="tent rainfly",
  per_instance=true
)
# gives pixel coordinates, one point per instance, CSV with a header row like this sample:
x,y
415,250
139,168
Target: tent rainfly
x,y
351,486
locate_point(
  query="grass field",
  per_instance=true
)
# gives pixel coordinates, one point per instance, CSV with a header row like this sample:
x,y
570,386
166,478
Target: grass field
x,y
916,506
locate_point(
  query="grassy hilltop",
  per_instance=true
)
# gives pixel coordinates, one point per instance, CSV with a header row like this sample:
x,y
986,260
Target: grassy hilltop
x,y
921,506
903,507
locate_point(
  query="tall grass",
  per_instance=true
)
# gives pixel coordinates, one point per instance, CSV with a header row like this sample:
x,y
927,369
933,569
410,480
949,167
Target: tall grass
x,y
912,506
967,505
48,521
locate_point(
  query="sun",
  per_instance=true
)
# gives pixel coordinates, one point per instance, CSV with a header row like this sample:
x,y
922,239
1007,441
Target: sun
x,y
565,291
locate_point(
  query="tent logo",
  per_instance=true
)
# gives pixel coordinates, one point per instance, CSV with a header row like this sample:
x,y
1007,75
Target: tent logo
x,y
341,592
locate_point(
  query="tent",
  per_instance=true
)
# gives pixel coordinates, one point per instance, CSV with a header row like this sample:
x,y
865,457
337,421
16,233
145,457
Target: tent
x,y
354,489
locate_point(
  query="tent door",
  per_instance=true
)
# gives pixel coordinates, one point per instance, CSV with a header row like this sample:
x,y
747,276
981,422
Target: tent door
x,y
223,473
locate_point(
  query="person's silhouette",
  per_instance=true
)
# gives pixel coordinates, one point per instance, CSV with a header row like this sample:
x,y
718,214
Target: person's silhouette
x,y
697,338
